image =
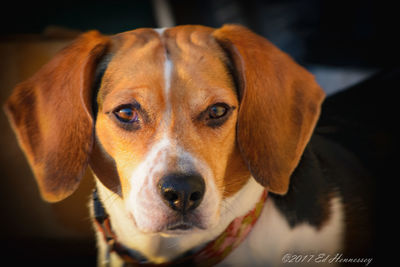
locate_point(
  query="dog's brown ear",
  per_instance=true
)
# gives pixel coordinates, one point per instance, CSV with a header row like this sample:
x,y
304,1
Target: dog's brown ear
x,y
279,106
52,117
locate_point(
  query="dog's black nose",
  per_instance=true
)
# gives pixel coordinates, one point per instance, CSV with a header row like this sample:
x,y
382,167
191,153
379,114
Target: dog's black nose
x,y
182,192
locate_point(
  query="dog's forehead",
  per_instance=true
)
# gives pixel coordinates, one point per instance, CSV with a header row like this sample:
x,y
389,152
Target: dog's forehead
x,y
182,35
187,39
137,58
193,49
141,49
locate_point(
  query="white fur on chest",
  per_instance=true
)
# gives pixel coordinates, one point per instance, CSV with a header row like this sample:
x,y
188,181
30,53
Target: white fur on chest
x,y
272,238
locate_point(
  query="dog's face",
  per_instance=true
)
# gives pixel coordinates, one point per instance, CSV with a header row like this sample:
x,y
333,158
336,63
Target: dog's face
x,y
167,110
176,121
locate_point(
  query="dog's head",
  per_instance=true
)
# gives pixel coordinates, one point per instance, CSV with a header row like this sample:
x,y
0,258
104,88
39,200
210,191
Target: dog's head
x,y
172,121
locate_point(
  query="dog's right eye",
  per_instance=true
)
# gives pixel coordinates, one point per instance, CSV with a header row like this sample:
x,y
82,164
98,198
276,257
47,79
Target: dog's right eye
x,y
126,114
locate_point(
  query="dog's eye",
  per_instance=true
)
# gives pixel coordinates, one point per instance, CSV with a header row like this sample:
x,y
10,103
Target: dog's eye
x,y
217,111
126,115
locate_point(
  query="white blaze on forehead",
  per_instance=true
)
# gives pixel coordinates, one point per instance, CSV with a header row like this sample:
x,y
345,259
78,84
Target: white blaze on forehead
x,y
167,78
168,66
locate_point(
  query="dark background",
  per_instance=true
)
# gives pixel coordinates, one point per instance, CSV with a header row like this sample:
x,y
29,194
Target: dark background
x,y
341,42
360,33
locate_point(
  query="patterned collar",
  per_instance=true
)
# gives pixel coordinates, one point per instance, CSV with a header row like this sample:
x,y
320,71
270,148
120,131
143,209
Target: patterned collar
x,y
212,253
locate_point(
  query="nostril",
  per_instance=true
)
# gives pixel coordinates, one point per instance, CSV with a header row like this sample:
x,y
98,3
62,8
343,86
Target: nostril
x,y
170,195
195,196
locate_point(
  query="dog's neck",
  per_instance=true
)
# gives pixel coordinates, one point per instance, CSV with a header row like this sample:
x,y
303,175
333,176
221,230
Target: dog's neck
x,y
159,247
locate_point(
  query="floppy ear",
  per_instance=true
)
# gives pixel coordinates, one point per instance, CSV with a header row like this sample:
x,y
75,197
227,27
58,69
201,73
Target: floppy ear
x,y
52,117
279,106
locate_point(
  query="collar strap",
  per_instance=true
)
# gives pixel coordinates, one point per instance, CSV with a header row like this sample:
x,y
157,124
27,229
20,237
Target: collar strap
x,y
212,253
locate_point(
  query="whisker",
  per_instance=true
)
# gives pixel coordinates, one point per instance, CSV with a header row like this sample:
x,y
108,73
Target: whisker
x,y
172,245
228,207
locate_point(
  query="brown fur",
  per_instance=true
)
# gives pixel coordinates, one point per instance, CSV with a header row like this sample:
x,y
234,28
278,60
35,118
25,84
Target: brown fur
x,y
51,116
280,103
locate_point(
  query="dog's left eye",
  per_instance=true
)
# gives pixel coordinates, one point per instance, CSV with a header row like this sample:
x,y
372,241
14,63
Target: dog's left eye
x,y
217,111
126,115
216,114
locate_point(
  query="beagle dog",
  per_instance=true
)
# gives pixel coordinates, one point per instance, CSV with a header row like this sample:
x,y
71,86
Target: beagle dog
x,y
202,145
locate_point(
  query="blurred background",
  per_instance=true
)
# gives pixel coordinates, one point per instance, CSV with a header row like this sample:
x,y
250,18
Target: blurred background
x,y
342,42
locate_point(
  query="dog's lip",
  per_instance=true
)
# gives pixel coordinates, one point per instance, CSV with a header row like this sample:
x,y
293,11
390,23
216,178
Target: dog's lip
x,y
177,225
183,226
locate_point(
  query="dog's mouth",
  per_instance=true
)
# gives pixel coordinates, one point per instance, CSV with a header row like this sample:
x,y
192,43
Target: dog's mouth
x,y
180,226
175,225
183,226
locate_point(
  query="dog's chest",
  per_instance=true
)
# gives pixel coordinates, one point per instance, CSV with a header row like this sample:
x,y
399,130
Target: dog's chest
x,y
272,242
